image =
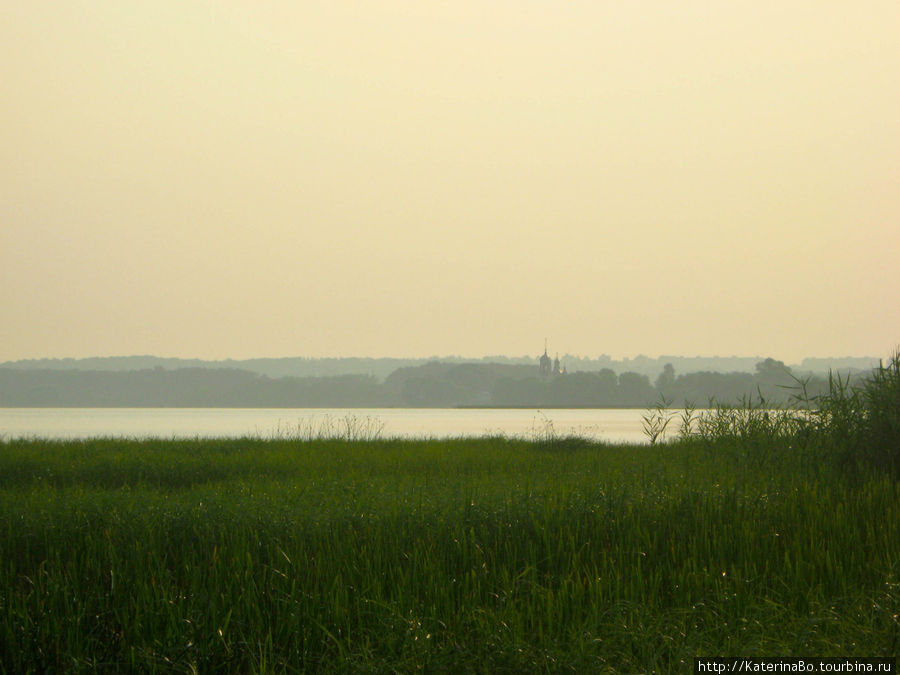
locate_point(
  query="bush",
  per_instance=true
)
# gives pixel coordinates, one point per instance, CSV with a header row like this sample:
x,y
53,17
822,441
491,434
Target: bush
x,y
853,425
864,423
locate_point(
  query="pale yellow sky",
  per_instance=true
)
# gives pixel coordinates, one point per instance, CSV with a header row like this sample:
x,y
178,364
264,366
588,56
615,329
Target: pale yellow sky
x,y
237,179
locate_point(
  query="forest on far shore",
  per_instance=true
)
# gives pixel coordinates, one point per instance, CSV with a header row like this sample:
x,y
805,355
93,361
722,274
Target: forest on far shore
x,y
432,384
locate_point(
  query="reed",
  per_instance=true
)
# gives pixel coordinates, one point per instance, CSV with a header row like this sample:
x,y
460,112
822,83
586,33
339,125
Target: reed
x,y
855,426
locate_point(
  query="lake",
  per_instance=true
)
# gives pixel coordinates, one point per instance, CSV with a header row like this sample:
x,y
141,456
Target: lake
x,y
615,425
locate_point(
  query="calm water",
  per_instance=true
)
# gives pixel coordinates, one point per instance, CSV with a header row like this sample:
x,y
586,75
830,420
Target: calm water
x,y
605,424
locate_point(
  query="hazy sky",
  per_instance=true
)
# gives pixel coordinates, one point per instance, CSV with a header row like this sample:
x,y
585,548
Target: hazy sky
x,y
353,178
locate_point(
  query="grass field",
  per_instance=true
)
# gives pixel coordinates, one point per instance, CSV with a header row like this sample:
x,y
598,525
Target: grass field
x,y
475,554
490,555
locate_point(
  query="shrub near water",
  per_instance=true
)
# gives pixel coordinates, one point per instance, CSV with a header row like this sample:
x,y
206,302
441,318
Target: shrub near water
x,y
863,424
850,426
485,555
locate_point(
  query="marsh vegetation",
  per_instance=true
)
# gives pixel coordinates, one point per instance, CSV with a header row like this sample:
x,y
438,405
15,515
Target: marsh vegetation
x,y
552,553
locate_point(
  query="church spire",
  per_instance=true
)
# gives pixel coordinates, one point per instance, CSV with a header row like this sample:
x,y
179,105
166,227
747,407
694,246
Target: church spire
x,y
545,364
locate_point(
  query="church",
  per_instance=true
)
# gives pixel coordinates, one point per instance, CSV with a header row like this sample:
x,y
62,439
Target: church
x,y
550,368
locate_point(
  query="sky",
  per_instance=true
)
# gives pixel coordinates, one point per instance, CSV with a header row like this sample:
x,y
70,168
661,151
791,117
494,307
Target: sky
x,y
404,178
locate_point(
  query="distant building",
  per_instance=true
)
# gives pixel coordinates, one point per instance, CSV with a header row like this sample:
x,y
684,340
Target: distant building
x,y
548,368
545,363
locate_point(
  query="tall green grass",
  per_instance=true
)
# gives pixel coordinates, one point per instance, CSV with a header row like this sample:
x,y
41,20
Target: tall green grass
x,y
483,555
854,427
862,424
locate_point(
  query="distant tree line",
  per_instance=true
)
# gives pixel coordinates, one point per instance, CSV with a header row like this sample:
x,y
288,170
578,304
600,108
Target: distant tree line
x,y
434,384
381,368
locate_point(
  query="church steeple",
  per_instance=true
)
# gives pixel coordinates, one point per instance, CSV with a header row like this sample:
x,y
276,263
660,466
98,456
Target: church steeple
x,y
545,365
